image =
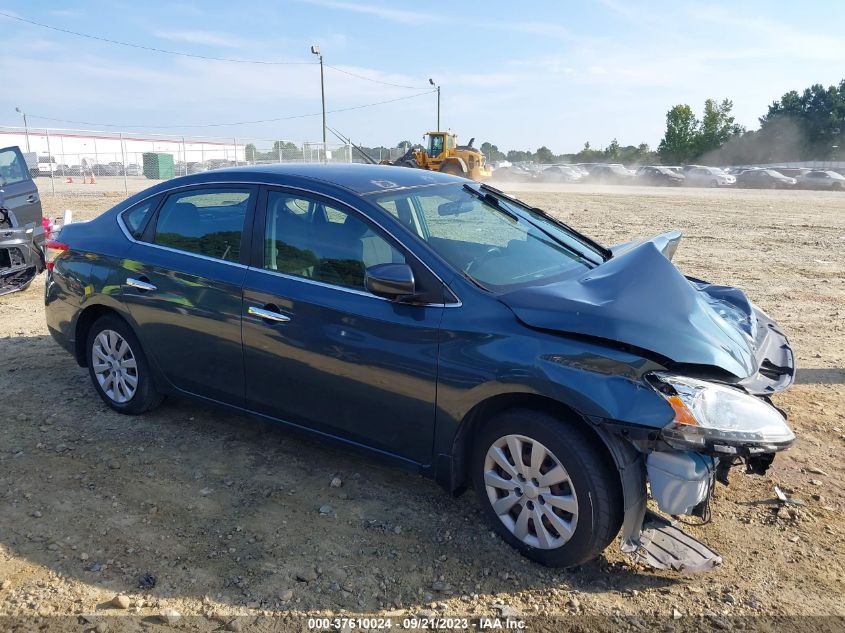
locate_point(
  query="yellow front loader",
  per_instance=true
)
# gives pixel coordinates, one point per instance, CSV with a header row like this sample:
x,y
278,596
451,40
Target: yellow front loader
x,y
442,153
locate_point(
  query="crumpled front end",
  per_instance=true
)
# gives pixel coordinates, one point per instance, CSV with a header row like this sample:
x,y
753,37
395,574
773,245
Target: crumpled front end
x,y
773,357
714,427
681,483
722,358
20,259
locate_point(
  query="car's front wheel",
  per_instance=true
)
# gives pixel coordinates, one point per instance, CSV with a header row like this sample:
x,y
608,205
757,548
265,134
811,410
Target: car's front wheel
x,y
546,488
118,367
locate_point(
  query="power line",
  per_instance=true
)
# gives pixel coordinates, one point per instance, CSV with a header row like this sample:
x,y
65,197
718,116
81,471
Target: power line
x,y
197,56
377,81
208,125
152,48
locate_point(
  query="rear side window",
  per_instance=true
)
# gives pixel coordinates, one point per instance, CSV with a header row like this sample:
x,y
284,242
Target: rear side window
x,y
207,222
12,167
136,217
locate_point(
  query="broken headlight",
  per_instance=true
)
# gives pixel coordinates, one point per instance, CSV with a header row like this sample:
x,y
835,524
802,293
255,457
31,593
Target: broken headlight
x,y
714,417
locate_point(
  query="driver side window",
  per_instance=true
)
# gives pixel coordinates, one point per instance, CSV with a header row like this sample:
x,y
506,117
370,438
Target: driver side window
x,y
310,239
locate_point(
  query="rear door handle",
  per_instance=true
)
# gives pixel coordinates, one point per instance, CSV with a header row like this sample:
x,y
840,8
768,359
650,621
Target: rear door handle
x,y
270,315
139,284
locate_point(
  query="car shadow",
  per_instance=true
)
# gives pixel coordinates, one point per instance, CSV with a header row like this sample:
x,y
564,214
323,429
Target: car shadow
x,y
820,376
192,501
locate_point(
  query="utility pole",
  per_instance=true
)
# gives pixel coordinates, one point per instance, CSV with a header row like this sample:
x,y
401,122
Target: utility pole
x,y
315,50
25,127
431,81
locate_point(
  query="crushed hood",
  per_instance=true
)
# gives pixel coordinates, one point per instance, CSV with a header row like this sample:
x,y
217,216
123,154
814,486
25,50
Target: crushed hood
x,y
639,298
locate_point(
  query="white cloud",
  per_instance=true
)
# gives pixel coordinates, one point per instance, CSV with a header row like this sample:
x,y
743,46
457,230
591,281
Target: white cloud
x,y
385,13
629,11
204,38
769,39
547,29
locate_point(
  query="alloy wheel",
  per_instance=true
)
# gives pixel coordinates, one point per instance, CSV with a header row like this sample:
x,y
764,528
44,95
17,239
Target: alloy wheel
x,y
530,491
115,366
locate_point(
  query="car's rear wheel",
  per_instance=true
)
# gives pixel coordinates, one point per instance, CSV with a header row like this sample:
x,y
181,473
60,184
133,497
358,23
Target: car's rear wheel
x,y
546,488
118,367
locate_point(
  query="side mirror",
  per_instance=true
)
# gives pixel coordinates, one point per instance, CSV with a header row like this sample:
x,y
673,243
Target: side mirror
x,y
390,281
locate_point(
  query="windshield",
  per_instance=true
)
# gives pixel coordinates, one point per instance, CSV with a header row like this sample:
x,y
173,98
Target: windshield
x,y
493,241
435,145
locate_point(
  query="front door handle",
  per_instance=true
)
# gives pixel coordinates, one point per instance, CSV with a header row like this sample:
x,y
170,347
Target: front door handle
x,y
32,198
270,315
139,284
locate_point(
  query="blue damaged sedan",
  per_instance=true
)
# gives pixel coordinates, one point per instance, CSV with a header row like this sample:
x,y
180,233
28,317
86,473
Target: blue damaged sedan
x,y
442,324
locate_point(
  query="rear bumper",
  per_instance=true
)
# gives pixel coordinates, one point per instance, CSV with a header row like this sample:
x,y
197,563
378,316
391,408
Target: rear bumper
x,y
60,316
60,338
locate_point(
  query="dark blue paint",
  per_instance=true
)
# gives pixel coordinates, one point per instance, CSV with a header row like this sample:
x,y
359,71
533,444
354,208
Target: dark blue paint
x,y
400,379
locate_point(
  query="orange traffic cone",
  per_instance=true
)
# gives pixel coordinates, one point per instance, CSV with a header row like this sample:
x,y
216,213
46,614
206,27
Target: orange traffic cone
x,y
69,180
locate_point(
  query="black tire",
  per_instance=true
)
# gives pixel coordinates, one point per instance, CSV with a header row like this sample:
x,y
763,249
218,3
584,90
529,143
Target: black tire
x,y
713,183
594,479
146,396
452,168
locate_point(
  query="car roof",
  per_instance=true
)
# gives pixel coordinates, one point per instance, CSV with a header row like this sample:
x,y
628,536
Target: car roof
x,y
358,178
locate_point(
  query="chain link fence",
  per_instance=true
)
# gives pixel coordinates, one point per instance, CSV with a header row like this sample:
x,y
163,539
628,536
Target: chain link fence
x,y
125,162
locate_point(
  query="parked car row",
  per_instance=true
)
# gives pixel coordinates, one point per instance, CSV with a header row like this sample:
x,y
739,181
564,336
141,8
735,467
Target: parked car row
x,y
46,166
182,168
98,169
802,178
672,175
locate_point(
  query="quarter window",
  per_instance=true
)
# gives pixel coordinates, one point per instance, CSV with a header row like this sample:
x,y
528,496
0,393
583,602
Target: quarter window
x,y
135,217
324,244
208,222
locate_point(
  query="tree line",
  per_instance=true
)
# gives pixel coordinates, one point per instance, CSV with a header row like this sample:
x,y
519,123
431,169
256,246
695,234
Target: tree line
x,y
809,125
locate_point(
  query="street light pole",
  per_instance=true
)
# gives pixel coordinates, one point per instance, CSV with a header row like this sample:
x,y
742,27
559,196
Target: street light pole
x,y
431,81
316,51
25,127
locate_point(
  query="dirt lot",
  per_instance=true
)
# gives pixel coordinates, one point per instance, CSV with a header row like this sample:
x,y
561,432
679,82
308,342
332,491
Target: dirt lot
x,y
225,511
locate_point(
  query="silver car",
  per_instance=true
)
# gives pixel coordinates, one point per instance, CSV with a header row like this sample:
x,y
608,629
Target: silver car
x,y
822,180
708,177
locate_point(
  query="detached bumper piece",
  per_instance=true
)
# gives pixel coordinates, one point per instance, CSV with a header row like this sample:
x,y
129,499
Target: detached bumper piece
x,y
665,546
15,272
19,261
681,483
774,357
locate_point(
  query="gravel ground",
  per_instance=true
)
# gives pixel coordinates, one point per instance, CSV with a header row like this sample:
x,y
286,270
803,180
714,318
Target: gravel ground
x,y
236,518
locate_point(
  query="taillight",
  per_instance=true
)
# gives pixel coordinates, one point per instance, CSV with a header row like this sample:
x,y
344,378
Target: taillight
x,y
52,250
